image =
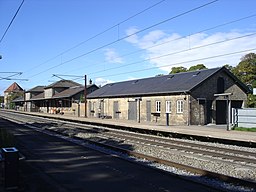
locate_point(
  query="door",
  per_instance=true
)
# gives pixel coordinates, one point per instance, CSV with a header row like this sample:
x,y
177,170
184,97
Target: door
x,y
101,109
116,110
221,112
148,106
132,110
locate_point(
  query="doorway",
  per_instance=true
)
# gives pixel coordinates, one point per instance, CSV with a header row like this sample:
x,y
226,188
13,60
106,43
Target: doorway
x,y
221,112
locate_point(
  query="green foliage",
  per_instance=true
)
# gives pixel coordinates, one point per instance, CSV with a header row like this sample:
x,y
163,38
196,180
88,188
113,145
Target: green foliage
x,y
251,101
178,70
184,69
81,98
246,72
159,75
197,67
245,129
1,99
246,69
229,67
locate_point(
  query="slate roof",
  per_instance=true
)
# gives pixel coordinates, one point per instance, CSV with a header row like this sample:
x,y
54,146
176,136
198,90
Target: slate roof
x,y
167,84
36,89
18,99
64,94
40,96
69,92
14,88
63,83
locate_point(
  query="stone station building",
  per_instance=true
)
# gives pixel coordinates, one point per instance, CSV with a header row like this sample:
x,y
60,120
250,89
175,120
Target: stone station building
x,y
190,98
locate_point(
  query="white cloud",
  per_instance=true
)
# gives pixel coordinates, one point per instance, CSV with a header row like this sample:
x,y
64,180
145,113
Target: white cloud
x,y
132,38
112,56
102,82
191,50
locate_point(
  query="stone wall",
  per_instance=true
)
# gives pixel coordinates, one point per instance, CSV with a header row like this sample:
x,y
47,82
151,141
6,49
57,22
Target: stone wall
x,y
175,118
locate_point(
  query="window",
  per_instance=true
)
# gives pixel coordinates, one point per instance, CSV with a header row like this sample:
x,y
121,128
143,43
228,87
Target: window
x,y
168,106
220,85
180,105
158,106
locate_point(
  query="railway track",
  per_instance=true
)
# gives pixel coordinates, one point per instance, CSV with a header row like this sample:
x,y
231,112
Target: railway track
x,y
102,136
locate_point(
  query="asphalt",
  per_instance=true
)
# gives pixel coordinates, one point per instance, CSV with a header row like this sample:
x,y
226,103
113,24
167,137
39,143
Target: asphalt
x,y
54,164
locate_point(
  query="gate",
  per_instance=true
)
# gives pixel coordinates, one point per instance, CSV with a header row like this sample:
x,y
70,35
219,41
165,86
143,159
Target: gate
x,y
244,117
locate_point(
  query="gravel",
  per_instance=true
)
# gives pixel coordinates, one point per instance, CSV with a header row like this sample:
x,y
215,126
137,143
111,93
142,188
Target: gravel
x,y
206,163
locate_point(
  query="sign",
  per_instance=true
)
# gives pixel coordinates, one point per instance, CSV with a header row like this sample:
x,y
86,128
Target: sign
x,y
254,91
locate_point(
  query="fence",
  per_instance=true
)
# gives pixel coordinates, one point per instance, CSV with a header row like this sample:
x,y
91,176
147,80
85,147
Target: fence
x,y
244,117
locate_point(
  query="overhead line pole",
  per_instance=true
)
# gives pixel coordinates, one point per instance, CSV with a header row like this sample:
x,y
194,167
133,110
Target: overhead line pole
x,y
85,89
85,97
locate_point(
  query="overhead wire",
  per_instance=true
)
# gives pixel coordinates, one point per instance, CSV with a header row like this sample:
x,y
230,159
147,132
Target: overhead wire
x,y
178,63
127,36
98,34
15,15
179,38
174,53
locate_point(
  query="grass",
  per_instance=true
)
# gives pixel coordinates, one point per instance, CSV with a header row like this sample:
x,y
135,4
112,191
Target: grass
x,y
245,129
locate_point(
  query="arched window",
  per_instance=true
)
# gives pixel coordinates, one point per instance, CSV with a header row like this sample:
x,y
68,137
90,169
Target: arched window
x,y
220,85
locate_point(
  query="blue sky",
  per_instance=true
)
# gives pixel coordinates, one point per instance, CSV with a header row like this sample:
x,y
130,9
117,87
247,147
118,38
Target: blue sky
x,y
55,37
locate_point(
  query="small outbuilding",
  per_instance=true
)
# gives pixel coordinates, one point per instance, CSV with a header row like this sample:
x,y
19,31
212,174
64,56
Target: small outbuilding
x,y
191,98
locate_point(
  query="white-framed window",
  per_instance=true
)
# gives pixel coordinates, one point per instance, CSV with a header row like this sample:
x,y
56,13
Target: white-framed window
x,y
180,106
168,106
158,106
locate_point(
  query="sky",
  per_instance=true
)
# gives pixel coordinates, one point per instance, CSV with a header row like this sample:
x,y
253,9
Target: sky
x,y
113,40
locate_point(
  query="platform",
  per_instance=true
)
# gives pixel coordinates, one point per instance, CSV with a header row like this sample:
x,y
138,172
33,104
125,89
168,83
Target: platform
x,y
208,131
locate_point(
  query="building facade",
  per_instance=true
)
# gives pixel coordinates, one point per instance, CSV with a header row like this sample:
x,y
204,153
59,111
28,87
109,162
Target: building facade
x,y
190,98
13,92
64,97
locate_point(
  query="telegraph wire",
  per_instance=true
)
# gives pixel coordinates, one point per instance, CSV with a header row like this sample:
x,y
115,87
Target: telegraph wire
x,y
183,37
9,76
100,33
12,20
174,53
183,62
113,42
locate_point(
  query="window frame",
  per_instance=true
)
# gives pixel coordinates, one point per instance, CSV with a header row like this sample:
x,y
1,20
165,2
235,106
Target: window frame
x,y
168,106
158,106
180,106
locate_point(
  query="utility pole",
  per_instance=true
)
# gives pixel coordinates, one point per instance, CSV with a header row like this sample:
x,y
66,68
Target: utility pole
x,y
85,97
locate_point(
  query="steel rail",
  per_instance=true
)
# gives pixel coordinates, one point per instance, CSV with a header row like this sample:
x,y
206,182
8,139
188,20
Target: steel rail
x,y
206,173
199,171
189,148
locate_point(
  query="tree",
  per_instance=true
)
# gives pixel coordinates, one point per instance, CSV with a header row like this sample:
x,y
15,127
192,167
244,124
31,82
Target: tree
x,y
178,70
246,69
229,67
246,72
197,67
